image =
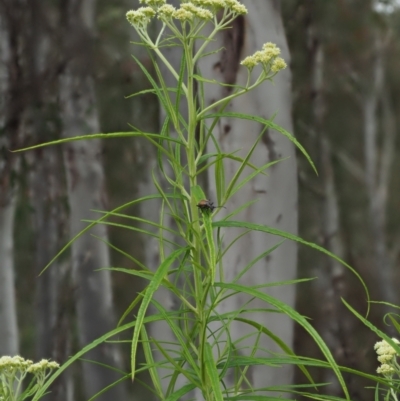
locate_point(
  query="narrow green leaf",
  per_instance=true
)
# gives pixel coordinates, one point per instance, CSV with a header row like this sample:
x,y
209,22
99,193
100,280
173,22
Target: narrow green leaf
x,y
380,333
163,100
269,124
198,193
83,351
181,392
179,84
283,234
212,373
277,340
253,174
242,166
148,354
210,244
290,312
184,341
96,136
149,292
395,323
220,186
103,218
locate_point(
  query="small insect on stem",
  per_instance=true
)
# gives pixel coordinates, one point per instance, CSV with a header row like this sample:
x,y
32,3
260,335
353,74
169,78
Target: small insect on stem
x,y
206,205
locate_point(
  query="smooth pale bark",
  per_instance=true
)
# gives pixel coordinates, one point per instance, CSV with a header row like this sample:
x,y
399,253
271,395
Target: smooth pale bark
x,y
86,192
276,194
93,289
9,344
10,127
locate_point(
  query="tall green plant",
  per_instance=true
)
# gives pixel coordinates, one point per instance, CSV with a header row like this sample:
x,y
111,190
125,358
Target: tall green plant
x,y
203,352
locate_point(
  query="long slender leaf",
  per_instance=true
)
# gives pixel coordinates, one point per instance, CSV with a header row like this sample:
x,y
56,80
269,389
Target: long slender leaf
x,y
212,373
148,354
181,392
96,136
297,318
269,124
86,349
150,290
277,340
284,234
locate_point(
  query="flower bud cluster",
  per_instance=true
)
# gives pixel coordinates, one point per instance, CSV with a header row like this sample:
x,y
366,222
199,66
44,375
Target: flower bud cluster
x,y
13,371
188,11
42,366
10,365
386,356
267,57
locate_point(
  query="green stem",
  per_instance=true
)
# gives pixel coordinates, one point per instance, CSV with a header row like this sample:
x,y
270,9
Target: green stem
x,y
197,238
155,48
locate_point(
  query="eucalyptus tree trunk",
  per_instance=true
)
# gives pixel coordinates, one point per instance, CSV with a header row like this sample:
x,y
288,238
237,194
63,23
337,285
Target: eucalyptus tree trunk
x,y
41,124
86,193
276,193
331,281
11,108
9,344
377,168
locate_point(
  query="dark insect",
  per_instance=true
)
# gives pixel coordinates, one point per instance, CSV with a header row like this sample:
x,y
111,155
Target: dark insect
x,y
206,205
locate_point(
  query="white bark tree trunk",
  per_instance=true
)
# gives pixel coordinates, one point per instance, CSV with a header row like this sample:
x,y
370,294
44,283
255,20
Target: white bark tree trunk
x,y
9,344
277,193
86,192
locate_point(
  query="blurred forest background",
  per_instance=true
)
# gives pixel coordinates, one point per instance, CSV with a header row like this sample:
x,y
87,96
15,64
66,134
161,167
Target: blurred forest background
x,y
345,63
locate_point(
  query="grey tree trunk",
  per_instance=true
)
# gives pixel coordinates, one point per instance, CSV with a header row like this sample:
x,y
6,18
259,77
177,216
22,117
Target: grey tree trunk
x,y
377,170
277,193
46,217
9,344
330,273
10,121
86,192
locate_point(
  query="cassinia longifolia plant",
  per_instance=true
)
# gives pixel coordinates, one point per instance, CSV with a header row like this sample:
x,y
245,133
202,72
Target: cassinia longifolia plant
x,y
15,370
191,251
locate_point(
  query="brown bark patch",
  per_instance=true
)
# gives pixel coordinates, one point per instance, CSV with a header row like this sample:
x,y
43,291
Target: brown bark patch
x,y
233,40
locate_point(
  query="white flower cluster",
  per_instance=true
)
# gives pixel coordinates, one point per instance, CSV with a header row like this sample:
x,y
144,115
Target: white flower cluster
x,y
42,366
17,363
13,371
386,356
267,57
188,11
12,364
